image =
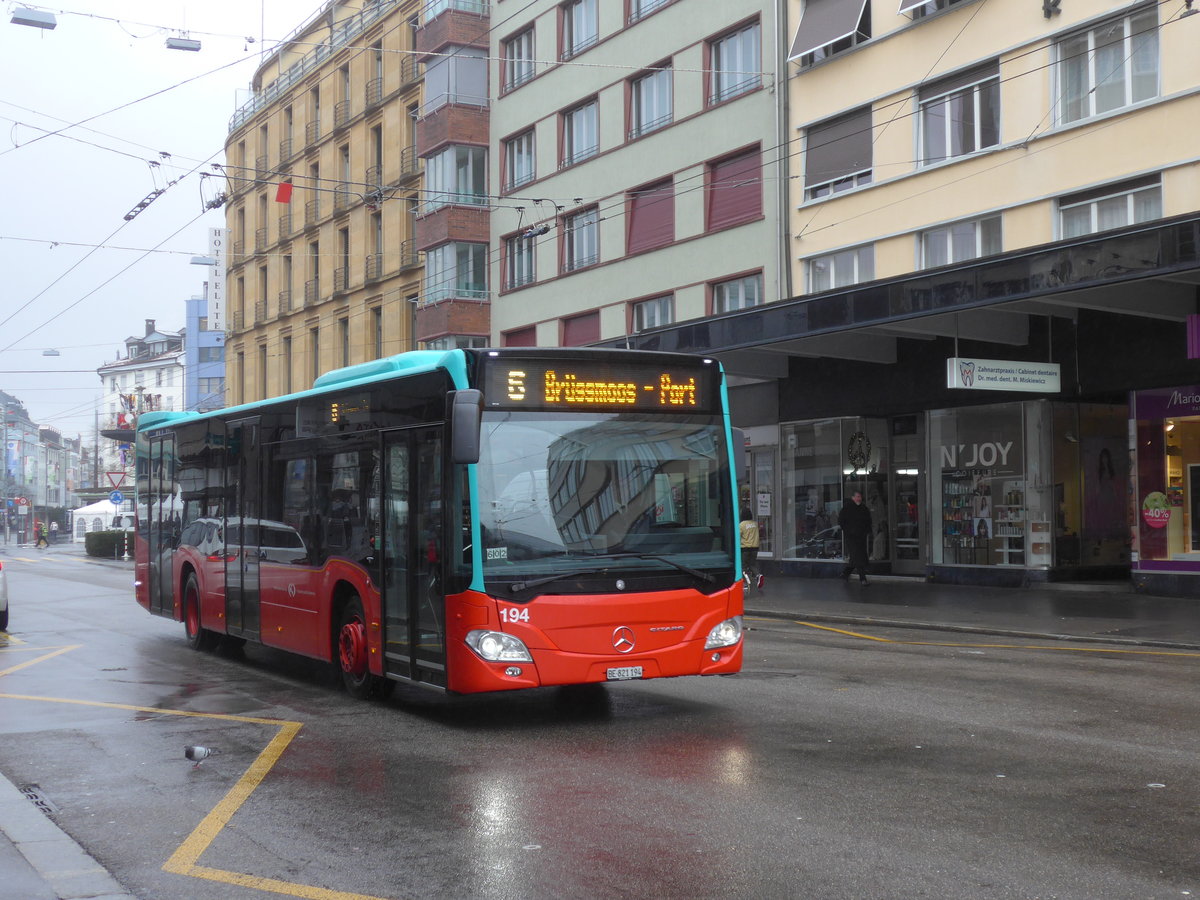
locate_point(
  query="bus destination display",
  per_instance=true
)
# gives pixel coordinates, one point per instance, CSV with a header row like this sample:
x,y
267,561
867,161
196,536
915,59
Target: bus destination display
x,y
542,384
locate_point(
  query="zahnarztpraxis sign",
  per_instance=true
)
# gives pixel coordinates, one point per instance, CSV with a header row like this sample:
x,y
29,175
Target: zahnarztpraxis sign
x,y
1002,375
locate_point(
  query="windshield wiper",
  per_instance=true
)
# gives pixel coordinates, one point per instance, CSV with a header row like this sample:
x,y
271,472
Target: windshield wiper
x,y
695,573
518,586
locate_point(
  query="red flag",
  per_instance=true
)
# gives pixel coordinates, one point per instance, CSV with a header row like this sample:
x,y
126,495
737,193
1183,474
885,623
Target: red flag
x,y
283,193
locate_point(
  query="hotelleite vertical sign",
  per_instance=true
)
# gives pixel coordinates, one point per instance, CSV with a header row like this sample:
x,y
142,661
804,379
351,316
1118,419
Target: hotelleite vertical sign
x,y
218,239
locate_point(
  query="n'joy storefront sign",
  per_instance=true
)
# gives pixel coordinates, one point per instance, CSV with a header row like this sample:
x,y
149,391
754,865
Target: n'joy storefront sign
x,y
1002,375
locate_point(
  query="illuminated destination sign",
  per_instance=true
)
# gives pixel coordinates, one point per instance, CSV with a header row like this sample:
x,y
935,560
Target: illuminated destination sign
x,y
566,384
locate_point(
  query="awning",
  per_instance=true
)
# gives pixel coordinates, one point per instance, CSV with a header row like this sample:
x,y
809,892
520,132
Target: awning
x,y
909,5
825,21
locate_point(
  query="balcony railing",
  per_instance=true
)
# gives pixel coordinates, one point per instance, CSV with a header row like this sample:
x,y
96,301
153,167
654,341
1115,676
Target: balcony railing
x,y
237,250
237,321
374,176
260,240
410,163
312,212
343,199
409,256
374,93
341,279
260,167
285,225
285,149
341,113
410,71
285,302
312,291
260,310
312,132
341,34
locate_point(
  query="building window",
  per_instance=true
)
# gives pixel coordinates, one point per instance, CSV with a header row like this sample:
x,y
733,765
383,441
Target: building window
x,y
650,102
739,293
919,9
841,269
734,192
456,270
580,330
639,9
581,132
262,372
1112,206
837,154
287,364
456,342
521,337
211,354
960,241
582,240
650,217
653,313
344,334
734,61
960,114
456,175
830,27
579,28
518,261
377,331
518,160
210,387
518,59
314,350
1109,67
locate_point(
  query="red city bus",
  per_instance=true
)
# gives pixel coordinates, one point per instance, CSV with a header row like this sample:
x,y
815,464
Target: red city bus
x,y
470,520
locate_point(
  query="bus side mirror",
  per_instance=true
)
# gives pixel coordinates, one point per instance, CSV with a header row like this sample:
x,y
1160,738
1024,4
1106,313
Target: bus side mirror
x,y
739,453
466,417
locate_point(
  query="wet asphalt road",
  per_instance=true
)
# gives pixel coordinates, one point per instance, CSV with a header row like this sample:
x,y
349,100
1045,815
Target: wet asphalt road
x,y
911,764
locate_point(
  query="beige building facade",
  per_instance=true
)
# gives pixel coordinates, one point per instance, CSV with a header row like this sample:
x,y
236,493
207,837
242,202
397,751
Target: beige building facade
x,y
323,194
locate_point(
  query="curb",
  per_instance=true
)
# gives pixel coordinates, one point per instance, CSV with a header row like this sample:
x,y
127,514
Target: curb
x,y
974,629
66,868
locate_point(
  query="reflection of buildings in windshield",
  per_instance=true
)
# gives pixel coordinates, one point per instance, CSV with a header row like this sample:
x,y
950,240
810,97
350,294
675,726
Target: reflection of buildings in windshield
x,y
629,486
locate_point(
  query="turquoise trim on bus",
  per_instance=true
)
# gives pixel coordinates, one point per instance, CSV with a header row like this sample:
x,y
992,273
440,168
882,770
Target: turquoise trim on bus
x,y
416,362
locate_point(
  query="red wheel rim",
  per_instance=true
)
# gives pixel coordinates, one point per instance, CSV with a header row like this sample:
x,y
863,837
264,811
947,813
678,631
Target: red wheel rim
x,y
352,648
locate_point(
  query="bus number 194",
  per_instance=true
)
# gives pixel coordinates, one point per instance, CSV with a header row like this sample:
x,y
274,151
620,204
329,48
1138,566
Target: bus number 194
x,y
514,614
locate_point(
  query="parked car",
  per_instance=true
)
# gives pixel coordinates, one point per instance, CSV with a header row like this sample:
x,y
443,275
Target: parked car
x,y
826,544
3,598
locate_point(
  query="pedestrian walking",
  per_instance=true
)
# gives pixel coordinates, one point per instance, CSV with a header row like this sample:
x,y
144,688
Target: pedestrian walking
x,y
54,532
750,541
41,537
855,521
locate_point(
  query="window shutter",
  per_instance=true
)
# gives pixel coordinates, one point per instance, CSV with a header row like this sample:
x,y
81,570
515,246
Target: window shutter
x,y
735,190
651,217
579,330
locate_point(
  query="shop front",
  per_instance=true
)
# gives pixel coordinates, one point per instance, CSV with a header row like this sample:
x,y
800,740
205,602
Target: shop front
x,y
1165,431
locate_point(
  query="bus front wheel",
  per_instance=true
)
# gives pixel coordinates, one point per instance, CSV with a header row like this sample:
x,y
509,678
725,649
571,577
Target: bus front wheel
x,y
198,638
353,656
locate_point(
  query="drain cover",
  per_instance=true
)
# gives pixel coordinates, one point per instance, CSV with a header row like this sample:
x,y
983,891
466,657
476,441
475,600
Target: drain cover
x,y
40,800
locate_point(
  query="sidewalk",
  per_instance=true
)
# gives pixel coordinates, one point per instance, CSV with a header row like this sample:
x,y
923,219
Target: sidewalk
x,y
1094,613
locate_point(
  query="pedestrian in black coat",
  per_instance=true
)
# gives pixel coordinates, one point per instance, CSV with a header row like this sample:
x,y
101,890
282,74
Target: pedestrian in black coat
x,y
855,521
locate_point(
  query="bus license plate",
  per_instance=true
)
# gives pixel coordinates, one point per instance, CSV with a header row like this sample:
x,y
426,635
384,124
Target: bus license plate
x,y
625,673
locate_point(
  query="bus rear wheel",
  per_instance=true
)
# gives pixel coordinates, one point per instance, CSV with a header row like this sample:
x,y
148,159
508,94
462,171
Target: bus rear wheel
x,y
353,656
198,638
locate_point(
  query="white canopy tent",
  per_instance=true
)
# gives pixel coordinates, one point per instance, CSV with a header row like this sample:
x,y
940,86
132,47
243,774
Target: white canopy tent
x,y
99,516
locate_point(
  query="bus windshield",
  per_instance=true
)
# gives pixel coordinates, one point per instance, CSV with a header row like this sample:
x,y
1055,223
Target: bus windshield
x,y
587,492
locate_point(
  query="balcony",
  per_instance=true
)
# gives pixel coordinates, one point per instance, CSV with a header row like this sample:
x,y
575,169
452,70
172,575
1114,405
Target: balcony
x,y
341,114
410,72
260,240
285,302
285,149
341,279
260,310
237,322
409,257
285,225
312,212
260,167
410,163
373,271
374,92
312,132
343,199
237,251
374,176
312,291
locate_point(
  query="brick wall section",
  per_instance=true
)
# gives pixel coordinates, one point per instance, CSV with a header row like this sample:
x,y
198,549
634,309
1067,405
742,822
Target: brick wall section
x,y
452,124
453,317
454,26
453,223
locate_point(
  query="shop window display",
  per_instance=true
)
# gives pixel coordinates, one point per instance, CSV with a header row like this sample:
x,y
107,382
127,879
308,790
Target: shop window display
x,y
1166,496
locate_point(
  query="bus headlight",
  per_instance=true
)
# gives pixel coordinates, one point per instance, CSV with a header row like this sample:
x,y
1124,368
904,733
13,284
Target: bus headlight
x,y
726,634
495,646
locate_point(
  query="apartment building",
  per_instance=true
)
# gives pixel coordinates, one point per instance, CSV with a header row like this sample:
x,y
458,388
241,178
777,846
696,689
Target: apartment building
x,y
635,158
995,246
323,187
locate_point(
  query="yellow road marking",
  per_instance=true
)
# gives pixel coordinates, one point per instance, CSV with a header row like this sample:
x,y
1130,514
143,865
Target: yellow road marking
x,y
1061,647
184,861
32,662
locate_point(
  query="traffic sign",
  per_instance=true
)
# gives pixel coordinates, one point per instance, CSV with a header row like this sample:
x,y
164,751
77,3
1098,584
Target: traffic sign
x,y
116,498
115,478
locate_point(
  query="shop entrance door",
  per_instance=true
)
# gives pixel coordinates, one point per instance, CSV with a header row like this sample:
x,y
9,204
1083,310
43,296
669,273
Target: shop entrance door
x,y
908,492
762,494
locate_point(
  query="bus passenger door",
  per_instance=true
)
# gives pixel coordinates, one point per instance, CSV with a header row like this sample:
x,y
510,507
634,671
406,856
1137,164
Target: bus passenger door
x,y
158,520
413,539
243,539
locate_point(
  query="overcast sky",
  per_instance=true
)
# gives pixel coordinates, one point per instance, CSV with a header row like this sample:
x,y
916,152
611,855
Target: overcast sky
x,y
74,275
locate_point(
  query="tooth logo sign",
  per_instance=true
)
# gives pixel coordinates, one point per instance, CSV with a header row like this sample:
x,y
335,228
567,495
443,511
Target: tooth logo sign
x,y
966,371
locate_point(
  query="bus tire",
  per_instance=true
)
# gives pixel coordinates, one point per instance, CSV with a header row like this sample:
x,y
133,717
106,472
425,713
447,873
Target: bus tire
x,y
353,656
198,638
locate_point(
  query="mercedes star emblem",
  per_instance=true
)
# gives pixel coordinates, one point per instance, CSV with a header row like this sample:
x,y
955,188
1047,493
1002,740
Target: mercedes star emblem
x,y
623,639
